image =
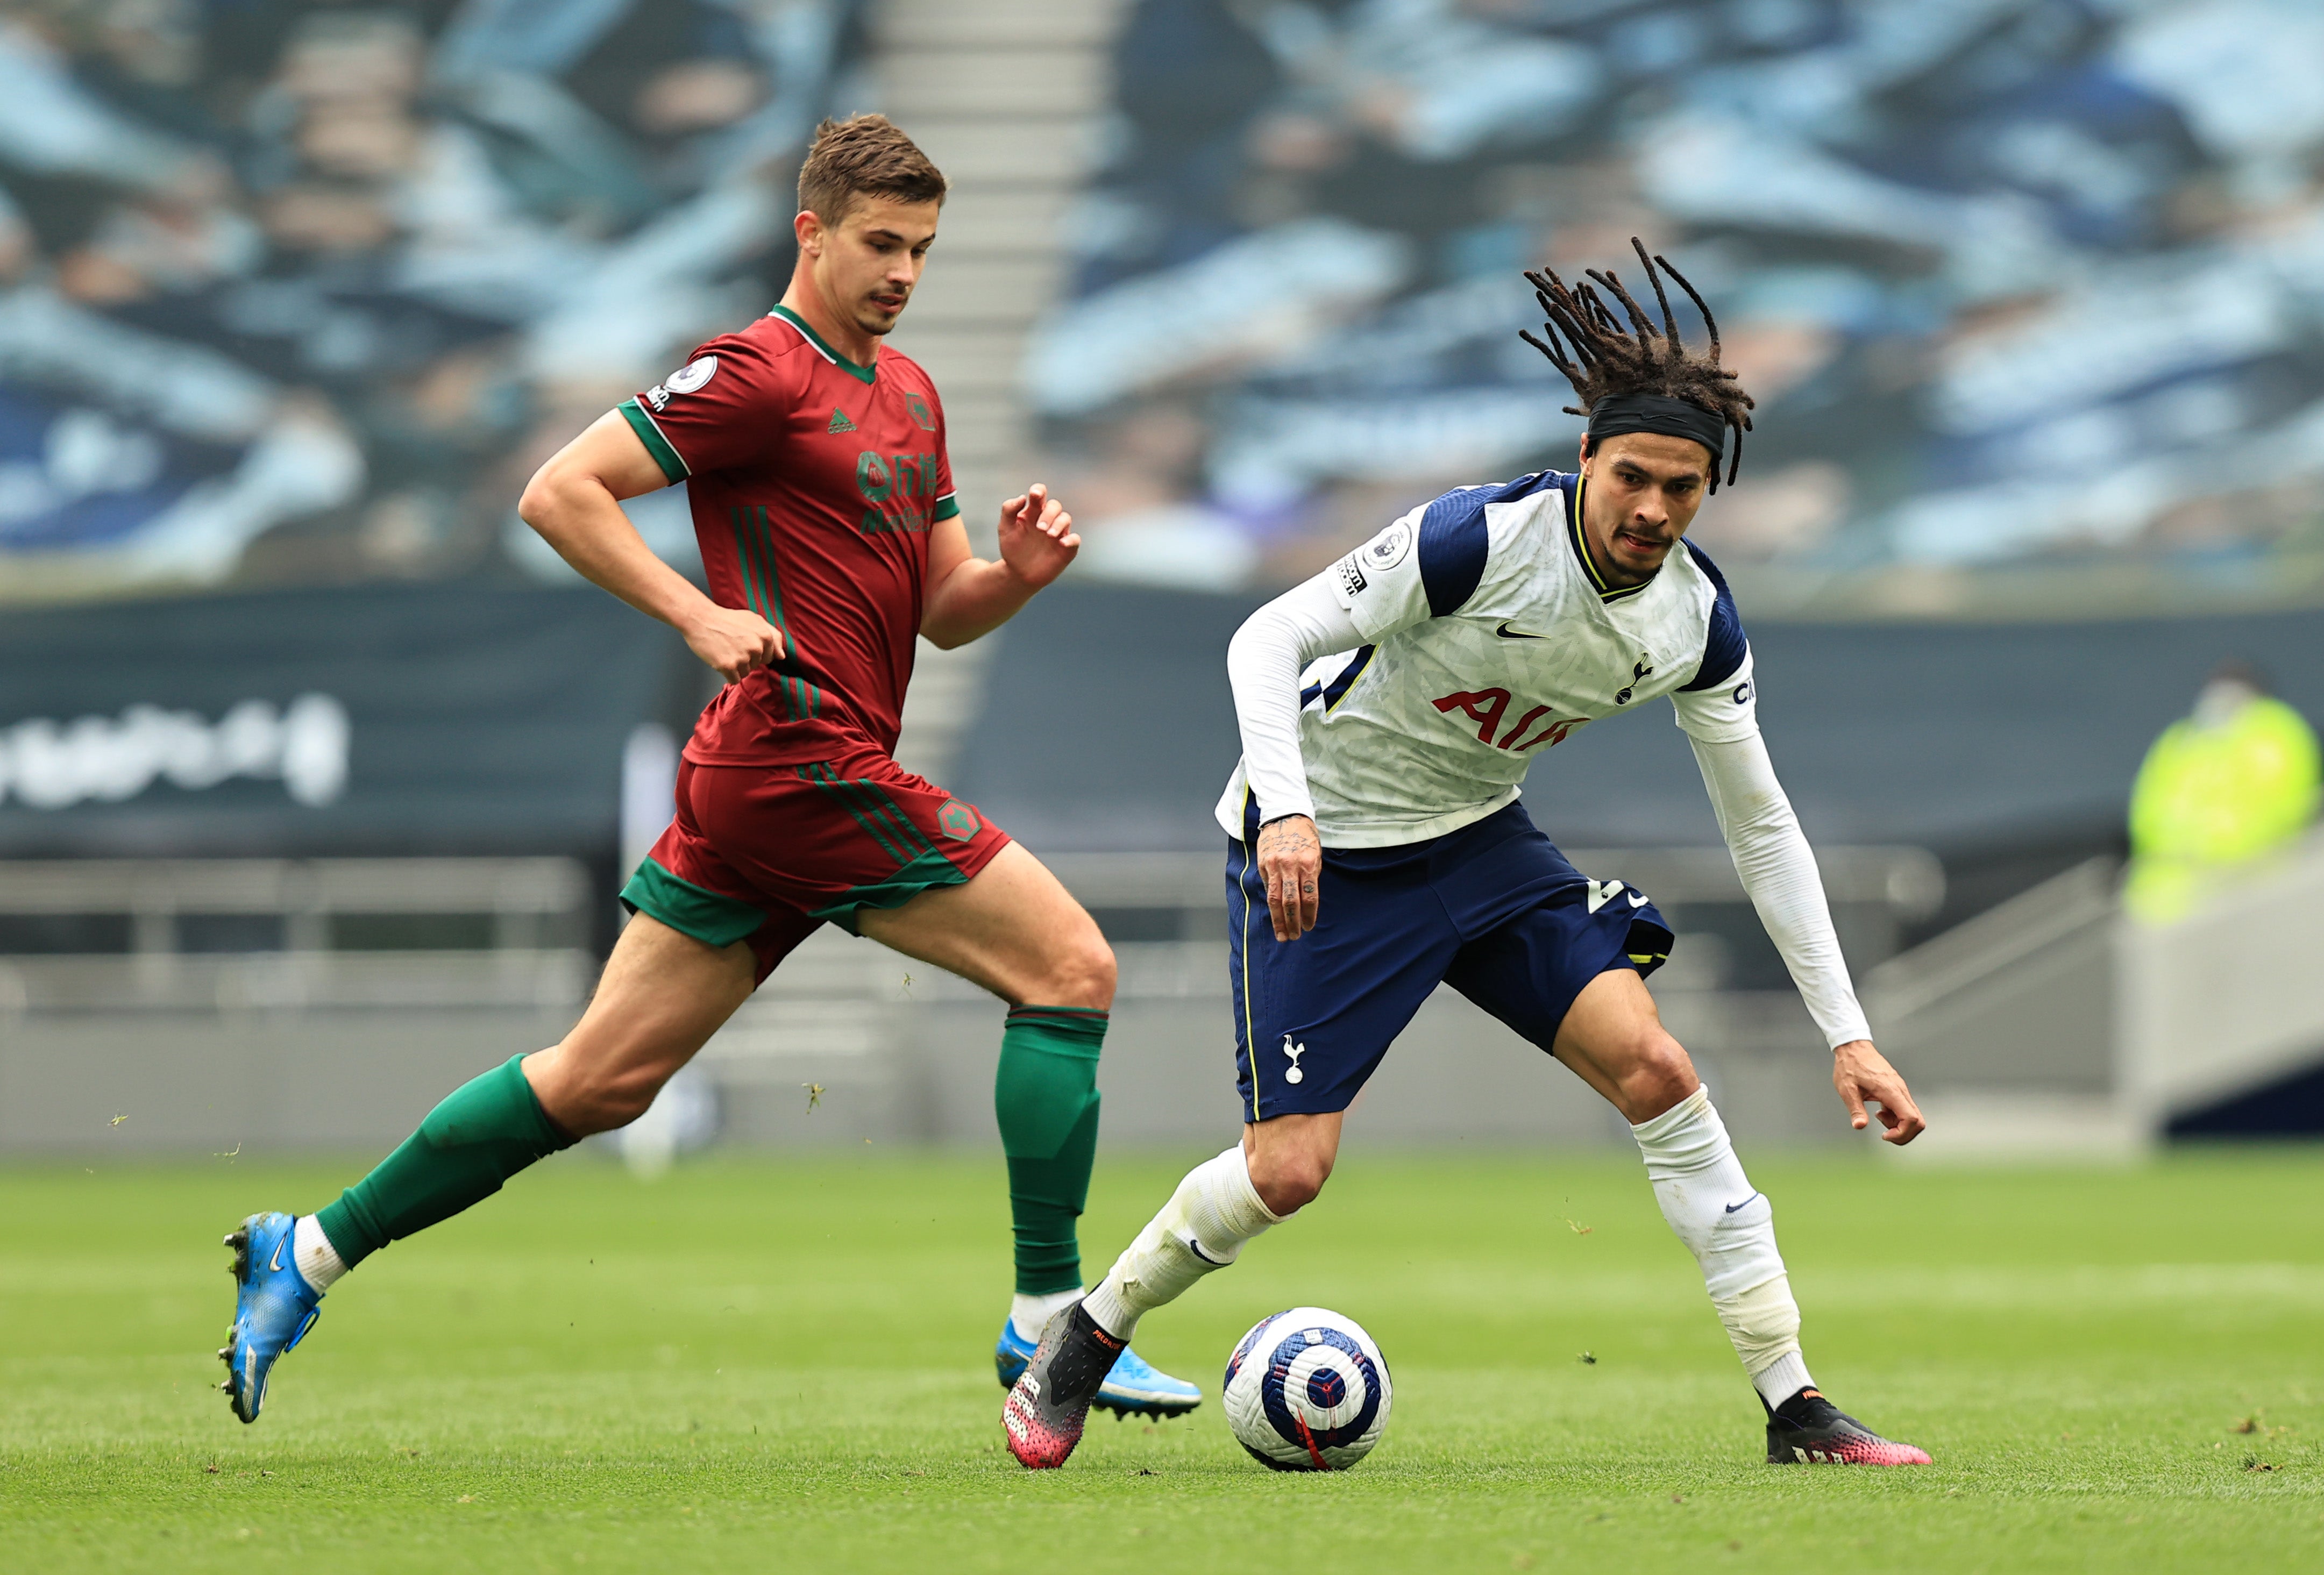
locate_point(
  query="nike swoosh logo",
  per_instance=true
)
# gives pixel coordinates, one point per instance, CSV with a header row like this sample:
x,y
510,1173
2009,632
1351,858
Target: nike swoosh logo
x,y
1638,899
1506,633
275,1267
1744,1204
1196,1247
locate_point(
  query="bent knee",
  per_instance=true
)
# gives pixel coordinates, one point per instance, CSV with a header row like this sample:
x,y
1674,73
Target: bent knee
x,y
1288,1183
591,1100
1658,1075
1080,972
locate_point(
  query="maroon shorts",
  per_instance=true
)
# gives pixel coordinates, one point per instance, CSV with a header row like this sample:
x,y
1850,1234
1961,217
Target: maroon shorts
x,y
767,853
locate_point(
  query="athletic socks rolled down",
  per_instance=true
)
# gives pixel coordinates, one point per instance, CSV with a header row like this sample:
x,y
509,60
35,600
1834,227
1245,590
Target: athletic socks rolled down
x,y
1202,1228
1730,1227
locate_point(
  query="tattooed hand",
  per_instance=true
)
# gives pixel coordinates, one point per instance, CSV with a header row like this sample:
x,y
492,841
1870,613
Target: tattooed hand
x,y
1291,862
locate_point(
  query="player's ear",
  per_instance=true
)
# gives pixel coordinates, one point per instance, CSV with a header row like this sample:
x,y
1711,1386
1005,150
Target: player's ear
x,y
808,227
1585,451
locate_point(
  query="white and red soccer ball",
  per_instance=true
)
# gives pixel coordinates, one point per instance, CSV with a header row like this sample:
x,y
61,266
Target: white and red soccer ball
x,y
1308,1390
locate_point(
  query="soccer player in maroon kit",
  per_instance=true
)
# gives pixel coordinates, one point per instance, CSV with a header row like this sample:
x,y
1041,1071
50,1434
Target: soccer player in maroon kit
x,y
815,467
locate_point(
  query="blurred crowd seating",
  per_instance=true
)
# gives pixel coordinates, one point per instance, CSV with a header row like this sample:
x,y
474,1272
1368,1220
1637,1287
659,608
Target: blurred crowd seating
x,y
299,291
2021,285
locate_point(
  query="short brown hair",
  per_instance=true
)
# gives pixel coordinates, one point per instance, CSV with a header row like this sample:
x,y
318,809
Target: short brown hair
x,y
866,155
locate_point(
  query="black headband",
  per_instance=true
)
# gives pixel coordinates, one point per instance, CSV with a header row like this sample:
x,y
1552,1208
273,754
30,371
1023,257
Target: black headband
x,y
1619,413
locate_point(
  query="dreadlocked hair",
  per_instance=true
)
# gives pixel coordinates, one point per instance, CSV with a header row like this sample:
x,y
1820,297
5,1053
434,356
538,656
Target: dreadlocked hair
x,y
1603,359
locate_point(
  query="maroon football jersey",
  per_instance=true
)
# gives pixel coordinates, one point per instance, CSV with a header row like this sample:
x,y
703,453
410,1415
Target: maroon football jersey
x,y
814,482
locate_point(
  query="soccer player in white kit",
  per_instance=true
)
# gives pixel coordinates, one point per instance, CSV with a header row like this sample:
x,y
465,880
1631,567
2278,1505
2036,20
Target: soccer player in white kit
x,y
1389,708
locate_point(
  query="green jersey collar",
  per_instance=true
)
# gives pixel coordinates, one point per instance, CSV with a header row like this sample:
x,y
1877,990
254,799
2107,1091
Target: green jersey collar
x,y
861,374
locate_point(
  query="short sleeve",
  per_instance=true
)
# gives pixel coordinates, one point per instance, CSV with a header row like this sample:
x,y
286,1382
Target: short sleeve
x,y
1720,703
725,406
1725,647
948,504
927,413
1454,543
1726,713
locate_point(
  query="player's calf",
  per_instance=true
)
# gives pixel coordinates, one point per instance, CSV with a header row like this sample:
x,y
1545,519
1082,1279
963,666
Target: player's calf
x,y
1729,1226
1203,1228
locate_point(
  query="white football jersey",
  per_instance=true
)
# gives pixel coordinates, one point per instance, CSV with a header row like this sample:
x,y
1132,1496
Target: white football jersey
x,y
1493,638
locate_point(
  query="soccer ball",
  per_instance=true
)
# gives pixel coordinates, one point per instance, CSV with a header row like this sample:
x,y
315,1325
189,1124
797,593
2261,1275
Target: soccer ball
x,y
1307,1391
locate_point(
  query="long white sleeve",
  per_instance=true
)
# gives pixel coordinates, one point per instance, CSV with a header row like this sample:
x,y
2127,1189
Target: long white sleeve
x,y
1779,872
1264,661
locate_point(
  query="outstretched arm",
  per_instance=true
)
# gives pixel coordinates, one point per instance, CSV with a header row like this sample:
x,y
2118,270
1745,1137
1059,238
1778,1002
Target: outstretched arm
x,y
574,501
1779,872
970,596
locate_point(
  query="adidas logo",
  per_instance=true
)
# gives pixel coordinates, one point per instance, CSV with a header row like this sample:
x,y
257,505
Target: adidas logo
x,y
839,422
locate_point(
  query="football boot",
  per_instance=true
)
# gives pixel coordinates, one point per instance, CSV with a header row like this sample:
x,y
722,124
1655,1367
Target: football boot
x,y
1809,1430
1051,1399
1131,1388
273,1308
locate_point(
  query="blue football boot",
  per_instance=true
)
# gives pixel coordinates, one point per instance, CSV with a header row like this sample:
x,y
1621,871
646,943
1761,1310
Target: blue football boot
x,y
273,1308
1132,1387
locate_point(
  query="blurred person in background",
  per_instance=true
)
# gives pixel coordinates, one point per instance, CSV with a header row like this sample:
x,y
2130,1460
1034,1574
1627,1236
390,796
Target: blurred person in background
x,y
2224,787
821,490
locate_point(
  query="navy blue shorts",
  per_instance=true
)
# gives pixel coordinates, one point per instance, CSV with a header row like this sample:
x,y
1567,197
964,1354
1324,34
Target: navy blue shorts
x,y
1492,909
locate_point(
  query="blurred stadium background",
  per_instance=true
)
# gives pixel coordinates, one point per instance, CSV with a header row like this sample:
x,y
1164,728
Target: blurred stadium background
x,y
317,771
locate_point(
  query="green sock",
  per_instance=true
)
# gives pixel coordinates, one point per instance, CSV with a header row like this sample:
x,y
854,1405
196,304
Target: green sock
x,y
487,1130
1046,1099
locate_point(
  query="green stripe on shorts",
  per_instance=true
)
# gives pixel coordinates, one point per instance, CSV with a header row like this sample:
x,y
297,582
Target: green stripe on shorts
x,y
822,776
710,917
877,800
873,810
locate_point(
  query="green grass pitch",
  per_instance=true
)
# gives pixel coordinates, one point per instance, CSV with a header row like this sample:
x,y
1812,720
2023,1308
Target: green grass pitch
x,y
756,1366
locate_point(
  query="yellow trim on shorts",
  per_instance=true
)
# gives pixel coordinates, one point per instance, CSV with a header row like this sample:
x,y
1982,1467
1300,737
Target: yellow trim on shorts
x,y
1242,936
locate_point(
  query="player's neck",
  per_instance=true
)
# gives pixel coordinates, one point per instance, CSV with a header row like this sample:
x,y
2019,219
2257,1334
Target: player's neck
x,y
1609,570
1598,555
804,301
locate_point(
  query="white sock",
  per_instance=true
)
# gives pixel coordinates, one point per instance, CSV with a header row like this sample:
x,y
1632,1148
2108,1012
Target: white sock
x,y
319,1260
1202,1228
1785,1378
1730,1227
1031,1314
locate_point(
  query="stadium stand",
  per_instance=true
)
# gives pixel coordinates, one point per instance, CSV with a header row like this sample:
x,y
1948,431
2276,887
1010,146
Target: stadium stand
x,y
292,297
301,293
2026,288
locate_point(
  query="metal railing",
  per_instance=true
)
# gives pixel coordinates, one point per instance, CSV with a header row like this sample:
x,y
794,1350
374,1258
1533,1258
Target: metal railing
x,y
523,941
